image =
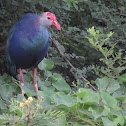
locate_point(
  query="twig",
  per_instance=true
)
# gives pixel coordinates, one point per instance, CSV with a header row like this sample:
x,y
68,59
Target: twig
x,y
82,123
105,91
61,53
108,85
29,114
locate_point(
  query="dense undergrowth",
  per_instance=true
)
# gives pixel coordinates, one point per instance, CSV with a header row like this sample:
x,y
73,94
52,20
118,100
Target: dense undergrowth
x,y
96,53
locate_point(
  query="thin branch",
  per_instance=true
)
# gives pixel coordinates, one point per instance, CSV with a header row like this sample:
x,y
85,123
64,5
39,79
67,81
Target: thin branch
x,y
108,85
29,114
105,91
61,53
82,123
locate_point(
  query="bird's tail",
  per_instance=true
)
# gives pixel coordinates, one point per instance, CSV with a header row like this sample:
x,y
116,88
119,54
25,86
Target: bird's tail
x,y
11,67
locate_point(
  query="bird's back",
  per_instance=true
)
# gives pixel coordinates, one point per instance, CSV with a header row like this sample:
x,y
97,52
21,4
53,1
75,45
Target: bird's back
x,y
27,43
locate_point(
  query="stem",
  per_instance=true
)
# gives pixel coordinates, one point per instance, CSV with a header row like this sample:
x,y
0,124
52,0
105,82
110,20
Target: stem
x,y
61,53
82,123
29,110
105,90
108,84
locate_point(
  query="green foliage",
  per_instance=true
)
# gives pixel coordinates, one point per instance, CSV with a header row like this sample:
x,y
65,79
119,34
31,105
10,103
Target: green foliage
x,y
113,86
60,105
101,60
46,64
32,113
102,43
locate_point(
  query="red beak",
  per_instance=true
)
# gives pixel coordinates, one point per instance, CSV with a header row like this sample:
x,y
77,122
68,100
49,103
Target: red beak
x,y
56,24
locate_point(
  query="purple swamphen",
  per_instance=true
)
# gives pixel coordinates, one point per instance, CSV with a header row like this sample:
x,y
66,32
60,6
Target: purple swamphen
x,y
27,44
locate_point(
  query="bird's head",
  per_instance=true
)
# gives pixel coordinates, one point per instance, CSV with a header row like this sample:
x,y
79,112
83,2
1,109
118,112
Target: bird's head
x,y
49,19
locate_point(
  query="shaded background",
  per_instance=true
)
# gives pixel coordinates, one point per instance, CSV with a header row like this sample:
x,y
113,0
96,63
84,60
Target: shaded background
x,y
75,18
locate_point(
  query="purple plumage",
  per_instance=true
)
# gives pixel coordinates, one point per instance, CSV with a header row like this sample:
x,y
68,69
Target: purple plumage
x,y
28,41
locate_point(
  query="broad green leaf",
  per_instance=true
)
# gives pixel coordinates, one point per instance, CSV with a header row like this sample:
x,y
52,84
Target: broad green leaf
x,y
28,91
115,122
115,111
57,76
119,120
123,77
87,96
2,105
46,93
124,104
21,124
46,64
107,122
62,98
97,113
29,86
109,100
103,82
44,85
119,95
61,85
6,91
48,73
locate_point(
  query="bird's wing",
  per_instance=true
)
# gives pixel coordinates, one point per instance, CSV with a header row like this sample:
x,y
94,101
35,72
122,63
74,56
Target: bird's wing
x,y
11,67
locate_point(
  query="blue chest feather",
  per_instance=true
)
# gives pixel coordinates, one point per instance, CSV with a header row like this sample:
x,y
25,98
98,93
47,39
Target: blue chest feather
x,y
27,42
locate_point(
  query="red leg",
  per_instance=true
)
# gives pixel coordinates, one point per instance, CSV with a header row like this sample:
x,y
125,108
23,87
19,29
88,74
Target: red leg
x,y
35,82
21,79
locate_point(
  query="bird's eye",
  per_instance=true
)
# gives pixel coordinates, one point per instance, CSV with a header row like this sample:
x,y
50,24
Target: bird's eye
x,y
48,18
